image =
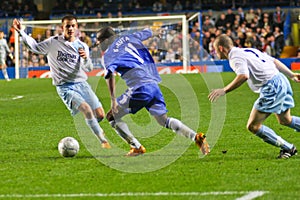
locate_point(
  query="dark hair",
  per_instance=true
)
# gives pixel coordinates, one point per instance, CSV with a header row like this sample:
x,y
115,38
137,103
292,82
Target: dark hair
x,y
69,17
105,37
105,33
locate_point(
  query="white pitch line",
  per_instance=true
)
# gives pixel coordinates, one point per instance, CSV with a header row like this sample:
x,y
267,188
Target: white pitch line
x,y
249,194
17,97
252,195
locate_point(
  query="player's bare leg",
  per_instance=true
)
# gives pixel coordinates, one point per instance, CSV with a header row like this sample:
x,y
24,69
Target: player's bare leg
x,y
99,113
255,125
287,119
92,122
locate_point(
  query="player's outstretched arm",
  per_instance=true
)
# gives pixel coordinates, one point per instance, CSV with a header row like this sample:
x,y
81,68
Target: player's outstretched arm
x,y
17,25
285,70
215,94
237,82
111,84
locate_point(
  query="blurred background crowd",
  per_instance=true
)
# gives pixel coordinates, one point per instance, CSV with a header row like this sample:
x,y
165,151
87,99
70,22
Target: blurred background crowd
x,y
265,25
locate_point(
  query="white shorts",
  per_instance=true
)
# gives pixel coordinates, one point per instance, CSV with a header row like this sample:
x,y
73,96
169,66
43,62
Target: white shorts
x,y
276,96
74,94
2,60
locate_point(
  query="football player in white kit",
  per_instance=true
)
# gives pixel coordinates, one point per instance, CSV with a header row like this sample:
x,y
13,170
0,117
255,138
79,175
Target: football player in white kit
x,y
4,50
69,61
267,76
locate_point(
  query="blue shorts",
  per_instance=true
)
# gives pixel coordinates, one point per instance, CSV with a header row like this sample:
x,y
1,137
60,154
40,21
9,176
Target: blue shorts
x,y
147,96
276,96
74,94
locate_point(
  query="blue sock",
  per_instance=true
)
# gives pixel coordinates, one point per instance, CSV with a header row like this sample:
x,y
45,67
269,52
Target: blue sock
x,y
295,123
269,136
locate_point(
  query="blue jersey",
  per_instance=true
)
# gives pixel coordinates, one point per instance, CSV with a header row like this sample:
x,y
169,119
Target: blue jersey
x,y
128,56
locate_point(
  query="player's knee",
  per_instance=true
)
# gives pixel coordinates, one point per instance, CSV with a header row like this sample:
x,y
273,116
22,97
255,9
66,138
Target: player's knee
x,y
253,127
162,120
285,122
86,110
100,114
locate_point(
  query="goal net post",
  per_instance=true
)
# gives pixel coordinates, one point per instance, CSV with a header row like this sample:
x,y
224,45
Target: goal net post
x,y
177,25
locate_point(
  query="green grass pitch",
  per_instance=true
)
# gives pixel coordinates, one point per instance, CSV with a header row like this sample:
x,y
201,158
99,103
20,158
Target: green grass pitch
x,y
240,166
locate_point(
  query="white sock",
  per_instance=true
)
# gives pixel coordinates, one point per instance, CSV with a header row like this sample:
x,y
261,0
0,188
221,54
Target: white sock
x,y
97,130
269,136
180,128
4,71
123,131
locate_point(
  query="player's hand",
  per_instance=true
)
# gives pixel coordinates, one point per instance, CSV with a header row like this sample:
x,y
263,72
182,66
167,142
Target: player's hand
x,y
296,77
11,56
17,25
82,53
215,94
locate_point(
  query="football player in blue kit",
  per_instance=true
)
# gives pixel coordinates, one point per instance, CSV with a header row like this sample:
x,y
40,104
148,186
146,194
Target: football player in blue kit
x,y
127,55
267,76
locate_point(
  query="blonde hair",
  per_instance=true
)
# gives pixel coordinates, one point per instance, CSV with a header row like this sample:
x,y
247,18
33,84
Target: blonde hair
x,y
224,41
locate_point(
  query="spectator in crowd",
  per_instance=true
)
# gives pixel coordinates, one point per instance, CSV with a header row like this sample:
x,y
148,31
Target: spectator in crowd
x,y
230,16
178,6
212,16
207,24
188,5
279,41
250,16
157,6
195,57
266,21
241,14
170,56
154,52
221,22
259,13
109,16
88,8
86,38
269,44
279,17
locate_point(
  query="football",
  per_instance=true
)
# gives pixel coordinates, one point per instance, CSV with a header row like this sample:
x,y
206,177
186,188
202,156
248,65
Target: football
x,y
68,147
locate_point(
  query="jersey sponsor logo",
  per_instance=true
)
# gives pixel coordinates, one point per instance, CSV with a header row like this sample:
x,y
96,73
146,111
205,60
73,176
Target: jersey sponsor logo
x,y
66,57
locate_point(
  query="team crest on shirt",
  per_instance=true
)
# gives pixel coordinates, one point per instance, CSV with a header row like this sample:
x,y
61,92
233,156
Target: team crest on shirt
x,y
66,57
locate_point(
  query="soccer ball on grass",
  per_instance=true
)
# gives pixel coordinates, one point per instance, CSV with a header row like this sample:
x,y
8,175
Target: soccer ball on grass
x,y
68,147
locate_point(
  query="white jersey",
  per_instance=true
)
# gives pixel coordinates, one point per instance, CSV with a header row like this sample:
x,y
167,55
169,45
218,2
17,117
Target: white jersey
x,y
3,48
259,66
66,65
